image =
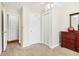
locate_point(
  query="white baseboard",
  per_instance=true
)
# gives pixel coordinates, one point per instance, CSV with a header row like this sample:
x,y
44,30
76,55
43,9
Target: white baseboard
x,y
42,43
54,46
26,45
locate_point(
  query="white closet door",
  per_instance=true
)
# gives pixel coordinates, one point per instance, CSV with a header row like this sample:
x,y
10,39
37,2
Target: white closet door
x,y
43,28
34,29
47,29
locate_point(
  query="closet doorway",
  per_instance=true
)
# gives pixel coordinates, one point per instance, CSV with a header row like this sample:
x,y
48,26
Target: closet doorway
x,y
46,28
12,28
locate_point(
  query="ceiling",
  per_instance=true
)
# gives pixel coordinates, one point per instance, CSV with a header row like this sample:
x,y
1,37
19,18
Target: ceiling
x,y
18,5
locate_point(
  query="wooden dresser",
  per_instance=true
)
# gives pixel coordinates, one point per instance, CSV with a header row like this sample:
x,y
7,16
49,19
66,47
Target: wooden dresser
x,y
70,40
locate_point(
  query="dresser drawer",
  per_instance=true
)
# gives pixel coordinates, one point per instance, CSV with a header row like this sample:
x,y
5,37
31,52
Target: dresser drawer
x,y
77,49
72,41
77,44
68,40
68,36
68,45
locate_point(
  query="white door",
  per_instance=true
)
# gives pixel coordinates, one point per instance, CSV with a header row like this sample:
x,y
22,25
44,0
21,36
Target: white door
x,y
43,28
47,29
34,29
4,30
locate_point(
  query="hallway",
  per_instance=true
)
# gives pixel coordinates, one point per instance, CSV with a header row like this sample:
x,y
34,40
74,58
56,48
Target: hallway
x,y
14,49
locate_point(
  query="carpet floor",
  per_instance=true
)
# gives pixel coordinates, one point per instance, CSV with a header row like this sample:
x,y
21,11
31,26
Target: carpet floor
x,y
14,49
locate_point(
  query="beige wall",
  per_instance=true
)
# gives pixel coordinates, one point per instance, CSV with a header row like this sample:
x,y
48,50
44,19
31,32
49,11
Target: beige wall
x,y
57,16
60,21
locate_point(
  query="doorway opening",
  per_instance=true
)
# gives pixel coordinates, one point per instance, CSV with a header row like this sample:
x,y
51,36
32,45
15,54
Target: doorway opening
x,y
13,29
10,29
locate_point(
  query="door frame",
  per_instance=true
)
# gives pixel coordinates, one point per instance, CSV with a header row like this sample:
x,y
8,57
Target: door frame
x,y
2,30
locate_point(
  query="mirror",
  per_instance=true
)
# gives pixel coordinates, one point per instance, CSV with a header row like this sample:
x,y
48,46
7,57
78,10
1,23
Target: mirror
x,y
74,20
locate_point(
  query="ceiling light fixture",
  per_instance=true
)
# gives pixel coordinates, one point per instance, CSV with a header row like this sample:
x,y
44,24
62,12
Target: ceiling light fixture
x,y
52,5
49,5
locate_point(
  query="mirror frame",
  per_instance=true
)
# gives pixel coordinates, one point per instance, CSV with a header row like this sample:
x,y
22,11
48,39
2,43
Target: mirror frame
x,y
77,13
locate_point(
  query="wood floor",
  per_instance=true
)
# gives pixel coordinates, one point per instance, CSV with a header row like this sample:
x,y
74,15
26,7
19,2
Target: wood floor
x,y
14,49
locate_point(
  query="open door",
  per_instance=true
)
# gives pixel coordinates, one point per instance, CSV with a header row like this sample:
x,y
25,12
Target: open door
x,y
4,30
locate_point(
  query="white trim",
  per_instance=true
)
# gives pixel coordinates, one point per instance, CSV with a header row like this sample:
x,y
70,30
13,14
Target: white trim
x,y
29,44
54,46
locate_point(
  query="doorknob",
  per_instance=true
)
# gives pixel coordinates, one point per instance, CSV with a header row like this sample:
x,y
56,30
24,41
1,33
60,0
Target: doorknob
x,y
31,31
